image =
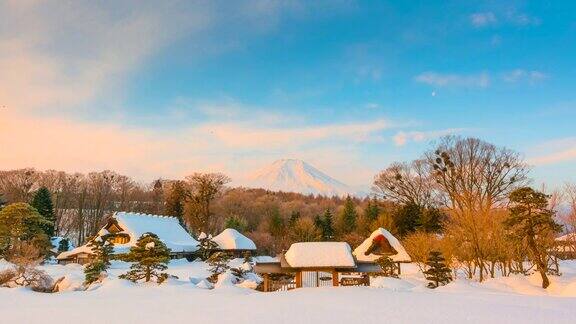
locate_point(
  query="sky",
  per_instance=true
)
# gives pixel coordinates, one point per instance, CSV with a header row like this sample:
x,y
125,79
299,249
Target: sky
x,y
164,89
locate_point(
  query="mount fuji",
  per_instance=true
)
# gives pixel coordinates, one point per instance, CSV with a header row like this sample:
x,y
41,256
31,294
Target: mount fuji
x,y
292,175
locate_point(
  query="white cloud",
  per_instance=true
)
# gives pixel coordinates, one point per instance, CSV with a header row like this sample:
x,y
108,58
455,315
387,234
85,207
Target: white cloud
x,y
554,151
481,80
520,75
483,19
402,138
511,17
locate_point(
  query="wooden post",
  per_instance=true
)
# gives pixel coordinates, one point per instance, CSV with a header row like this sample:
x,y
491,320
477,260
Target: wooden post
x,y
335,281
317,279
399,270
266,282
299,279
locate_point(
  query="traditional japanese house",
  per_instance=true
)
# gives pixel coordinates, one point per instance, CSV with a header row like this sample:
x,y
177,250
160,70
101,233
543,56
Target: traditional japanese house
x,y
124,229
565,247
381,243
316,264
233,242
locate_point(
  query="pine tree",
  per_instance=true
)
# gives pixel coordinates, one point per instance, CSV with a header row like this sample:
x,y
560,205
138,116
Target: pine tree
x,y
101,249
327,226
407,218
531,221
276,226
205,245
236,223
218,263
349,216
372,210
388,266
63,245
438,273
150,257
2,201
175,202
294,217
42,201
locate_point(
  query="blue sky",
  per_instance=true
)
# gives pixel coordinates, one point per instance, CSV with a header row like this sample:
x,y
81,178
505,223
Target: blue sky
x,y
164,89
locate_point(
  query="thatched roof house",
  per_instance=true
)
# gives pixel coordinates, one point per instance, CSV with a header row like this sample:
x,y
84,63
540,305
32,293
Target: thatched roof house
x,y
233,242
381,243
125,229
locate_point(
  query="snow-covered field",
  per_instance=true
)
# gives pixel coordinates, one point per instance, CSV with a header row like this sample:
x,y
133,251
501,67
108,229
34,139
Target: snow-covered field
x,y
515,299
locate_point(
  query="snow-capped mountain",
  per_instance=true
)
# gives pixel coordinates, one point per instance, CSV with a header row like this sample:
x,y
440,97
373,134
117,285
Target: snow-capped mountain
x,y
293,175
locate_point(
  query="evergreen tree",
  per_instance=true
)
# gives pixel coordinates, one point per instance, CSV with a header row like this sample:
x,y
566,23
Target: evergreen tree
x,y
42,201
327,226
63,245
175,202
407,218
388,266
349,216
101,249
205,245
438,273
294,217
22,222
276,226
236,223
151,256
372,210
530,221
218,263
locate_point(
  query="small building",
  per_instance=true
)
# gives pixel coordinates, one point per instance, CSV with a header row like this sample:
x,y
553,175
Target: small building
x,y
565,247
381,243
233,242
312,264
317,264
126,228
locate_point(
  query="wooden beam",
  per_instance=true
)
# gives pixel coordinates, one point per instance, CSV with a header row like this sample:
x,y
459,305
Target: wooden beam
x,y
299,279
266,282
335,281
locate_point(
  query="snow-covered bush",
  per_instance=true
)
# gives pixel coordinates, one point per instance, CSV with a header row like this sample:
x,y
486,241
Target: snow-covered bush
x,y
218,263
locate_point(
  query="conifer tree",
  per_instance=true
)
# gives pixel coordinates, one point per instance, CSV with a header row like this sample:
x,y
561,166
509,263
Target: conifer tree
x,y
349,216
438,273
42,201
372,210
150,256
101,249
205,245
294,217
218,263
388,266
531,222
327,226
63,245
276,226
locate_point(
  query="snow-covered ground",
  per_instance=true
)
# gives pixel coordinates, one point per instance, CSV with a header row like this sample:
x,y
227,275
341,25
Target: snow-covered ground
x,y
515,299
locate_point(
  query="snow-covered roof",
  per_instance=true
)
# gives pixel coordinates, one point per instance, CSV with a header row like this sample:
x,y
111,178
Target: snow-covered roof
x,y
567,237
231,239
319,255
167,228
401,256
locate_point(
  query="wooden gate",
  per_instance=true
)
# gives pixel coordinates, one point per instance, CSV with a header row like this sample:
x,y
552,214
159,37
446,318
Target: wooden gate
x,y
316,279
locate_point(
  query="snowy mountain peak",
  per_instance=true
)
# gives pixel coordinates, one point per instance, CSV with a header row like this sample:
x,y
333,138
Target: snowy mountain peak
x,y
293,175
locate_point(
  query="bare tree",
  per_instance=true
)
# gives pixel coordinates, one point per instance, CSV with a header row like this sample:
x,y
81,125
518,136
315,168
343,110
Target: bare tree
x,y
407,183
476,178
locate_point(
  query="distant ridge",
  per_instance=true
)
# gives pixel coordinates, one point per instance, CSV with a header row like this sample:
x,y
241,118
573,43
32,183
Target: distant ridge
x,y
293,175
